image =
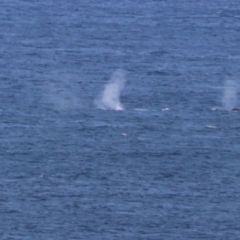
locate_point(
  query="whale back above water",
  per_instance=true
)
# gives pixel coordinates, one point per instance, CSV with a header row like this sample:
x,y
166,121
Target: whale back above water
x,y
235,110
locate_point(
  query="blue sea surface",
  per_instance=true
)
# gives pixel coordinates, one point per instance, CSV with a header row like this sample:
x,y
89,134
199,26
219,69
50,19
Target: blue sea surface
x,y
165,167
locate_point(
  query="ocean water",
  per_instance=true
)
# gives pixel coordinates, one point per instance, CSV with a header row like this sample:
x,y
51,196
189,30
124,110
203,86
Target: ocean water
x,y
116,119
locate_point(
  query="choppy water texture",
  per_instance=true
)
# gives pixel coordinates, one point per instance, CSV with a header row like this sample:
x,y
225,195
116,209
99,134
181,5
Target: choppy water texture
x,y
166,167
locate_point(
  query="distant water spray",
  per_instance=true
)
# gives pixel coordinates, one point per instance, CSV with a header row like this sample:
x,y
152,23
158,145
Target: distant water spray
x,y
60,93
62,99
229,99
110,97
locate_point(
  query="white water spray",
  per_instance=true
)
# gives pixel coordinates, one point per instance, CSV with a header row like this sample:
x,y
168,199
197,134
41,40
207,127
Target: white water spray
x,y
110,97
60,93
229,99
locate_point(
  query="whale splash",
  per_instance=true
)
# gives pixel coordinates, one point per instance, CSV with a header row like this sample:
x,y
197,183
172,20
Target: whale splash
x,y
229,99
109,99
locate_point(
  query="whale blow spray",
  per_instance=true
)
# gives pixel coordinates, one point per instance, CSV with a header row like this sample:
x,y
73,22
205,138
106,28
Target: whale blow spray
x,y
60,93
109,99
229,99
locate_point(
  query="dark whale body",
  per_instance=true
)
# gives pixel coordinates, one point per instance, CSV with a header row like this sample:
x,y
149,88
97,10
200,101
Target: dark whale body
x,y
235,110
